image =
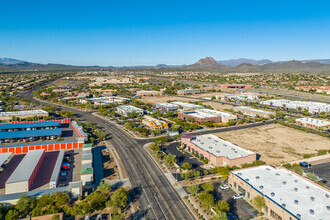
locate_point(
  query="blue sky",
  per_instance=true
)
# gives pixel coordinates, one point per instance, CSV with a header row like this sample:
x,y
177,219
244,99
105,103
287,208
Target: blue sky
x,y
141,32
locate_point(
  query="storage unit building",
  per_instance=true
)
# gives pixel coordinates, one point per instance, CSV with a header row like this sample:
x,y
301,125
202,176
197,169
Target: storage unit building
x,y
56,171
22,178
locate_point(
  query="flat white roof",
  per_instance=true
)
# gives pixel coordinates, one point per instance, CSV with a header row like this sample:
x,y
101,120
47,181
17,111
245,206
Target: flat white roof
x,y
254,110
214,112
4,157
168,105
219,147
57,167
26,167
187,105
129,108
293,193
20,113
199,114
313,121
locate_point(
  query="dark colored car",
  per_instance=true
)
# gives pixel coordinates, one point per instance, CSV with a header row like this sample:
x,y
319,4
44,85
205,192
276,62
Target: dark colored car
x,y
63,178
305,164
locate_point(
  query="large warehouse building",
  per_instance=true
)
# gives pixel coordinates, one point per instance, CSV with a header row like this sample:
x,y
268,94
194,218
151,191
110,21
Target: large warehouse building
x,y
218,151
287,195
22,178
22,114
22,137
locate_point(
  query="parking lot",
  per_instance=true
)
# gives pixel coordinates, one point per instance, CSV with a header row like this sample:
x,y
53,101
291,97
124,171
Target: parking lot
x,y
74,173
239,207
183,157
321,170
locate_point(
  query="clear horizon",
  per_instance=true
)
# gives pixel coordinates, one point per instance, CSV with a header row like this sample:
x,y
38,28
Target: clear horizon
x,y
130,33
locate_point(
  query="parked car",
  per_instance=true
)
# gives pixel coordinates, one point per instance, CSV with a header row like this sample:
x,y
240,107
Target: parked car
x,y
99,217
231,216
66,164
305,164
65,168
63,178
319,179
237,196
226,186
63,173
87,217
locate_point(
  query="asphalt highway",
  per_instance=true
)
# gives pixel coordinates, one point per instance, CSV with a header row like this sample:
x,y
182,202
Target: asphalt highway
x,y
155,194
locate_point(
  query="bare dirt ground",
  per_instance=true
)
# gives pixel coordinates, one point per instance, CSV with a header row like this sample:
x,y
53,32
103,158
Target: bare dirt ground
x,y
218,106
275,143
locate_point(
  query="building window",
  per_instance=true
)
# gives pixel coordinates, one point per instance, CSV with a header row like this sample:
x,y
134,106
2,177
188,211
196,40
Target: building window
x,y
275,215
235,184
248,195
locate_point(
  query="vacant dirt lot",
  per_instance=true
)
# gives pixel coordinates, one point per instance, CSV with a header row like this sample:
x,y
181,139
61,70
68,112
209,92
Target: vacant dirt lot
x,y
275,143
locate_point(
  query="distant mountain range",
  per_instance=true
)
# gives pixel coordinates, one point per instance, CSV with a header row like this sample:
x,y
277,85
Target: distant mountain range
x,y
207,64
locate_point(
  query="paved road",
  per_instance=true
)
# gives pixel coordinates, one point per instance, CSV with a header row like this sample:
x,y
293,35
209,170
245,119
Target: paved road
x,y
147,180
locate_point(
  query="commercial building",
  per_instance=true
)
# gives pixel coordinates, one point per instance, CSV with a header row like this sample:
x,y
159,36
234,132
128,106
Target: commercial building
x,y
188,91
218,151
154,123
57,169
22,178
225,117
29,126
34,139
30,135
287,195
149,93
238,96
199,117
23,114
109,100
235,86
127,109
313,123
166,107
188,106
87,170
254,112
311,107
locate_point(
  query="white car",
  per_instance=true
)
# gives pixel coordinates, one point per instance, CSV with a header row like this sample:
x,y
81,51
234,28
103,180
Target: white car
x,y
226,186
237,196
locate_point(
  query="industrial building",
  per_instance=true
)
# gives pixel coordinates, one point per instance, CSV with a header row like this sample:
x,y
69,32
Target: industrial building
x,y
29,126
28,140
199,117
188,106
313,123
238,96
189,91
149,93
154,123
166,107
287,195
218,151
22,178
87,170
125,110
225,117
57,169
23,114
109,100
311,107
254,112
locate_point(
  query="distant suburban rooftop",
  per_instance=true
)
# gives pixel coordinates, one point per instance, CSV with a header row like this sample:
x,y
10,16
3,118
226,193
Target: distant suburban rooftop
x,y
214,112
254,109
26,167
4,157
187,105
30,125
294,193
198,114
313,121
129,108
30,133
20,113
189,90
166,105
219,147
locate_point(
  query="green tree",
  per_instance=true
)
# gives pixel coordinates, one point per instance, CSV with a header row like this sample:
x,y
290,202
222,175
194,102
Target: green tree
x,y
12,214
298,170
119,198
104,188
61,198
194,189
208,187
170,159
186,166
219,215
26,203
206,199
258,202
312,177
222,205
